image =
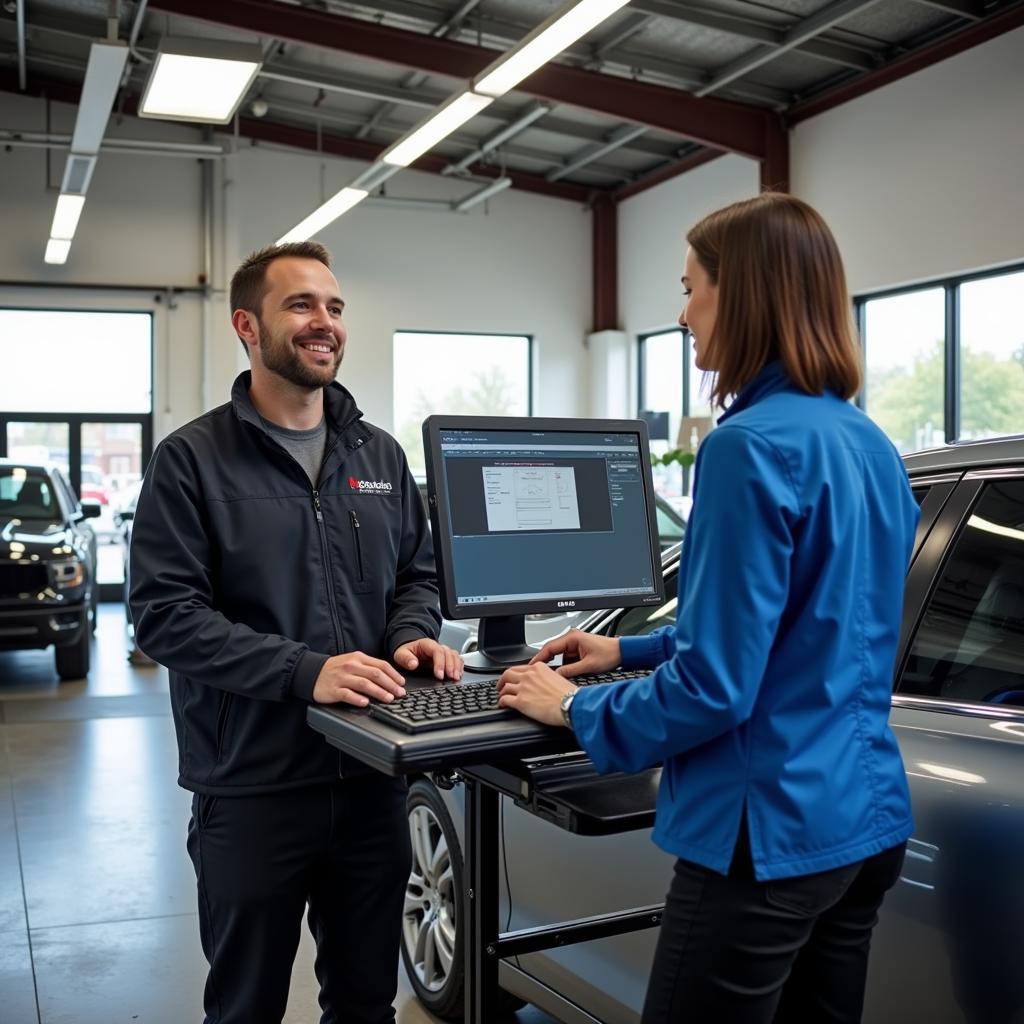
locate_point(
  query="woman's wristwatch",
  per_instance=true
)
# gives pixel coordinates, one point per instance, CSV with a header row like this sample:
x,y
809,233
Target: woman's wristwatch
x,y
565,704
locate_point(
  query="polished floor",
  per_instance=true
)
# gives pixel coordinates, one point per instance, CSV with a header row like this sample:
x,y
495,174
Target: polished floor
x,y
97,914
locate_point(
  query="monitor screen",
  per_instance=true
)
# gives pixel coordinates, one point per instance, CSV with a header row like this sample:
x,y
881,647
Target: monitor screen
x,y
540,515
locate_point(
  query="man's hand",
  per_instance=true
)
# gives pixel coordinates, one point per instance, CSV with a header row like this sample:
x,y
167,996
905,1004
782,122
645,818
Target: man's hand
x,y
354,678
581,653
447,663
535,691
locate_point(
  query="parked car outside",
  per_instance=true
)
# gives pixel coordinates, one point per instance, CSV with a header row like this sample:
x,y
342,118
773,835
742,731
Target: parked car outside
x,y
48,589
947,945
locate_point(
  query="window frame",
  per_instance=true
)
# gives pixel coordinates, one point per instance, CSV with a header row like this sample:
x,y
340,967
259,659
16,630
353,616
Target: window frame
x,y
952,383
641,365
924,576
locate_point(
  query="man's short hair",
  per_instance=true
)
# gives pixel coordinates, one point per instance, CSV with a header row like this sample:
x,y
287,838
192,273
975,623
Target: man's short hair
x,y
249,283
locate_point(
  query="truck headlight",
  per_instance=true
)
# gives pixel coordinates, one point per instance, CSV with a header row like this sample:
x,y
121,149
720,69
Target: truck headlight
x,y
69,573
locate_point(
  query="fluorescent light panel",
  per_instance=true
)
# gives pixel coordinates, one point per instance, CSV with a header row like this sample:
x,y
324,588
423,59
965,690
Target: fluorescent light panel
x,y
338,204
424,137
57,250
199,80
65,217
548,40
102,78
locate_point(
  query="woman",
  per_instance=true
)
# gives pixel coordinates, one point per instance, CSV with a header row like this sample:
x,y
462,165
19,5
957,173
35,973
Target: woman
x,y
783,794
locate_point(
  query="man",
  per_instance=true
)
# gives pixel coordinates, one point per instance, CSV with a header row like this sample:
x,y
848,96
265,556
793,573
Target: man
x,y
280,556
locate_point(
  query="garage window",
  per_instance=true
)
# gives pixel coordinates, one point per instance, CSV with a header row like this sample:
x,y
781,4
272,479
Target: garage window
x,y
457,374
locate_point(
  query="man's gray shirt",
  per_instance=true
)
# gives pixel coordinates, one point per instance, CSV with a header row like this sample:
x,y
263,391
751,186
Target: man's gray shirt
x,y
305,446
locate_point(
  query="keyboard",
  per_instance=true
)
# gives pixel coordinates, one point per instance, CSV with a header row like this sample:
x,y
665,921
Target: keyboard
x,y
452,705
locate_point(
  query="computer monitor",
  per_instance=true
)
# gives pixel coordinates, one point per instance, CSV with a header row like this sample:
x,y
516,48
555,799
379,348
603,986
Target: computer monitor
x,y
538,515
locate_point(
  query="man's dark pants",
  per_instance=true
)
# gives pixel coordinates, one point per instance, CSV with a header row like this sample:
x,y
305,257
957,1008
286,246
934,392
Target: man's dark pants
x,y
732,949
343,849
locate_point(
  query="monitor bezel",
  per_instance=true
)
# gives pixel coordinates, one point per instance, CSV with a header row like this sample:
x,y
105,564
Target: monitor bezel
x,y
437,504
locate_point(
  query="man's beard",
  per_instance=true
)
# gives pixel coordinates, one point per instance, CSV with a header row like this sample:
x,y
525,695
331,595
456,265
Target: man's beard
x,y
280,357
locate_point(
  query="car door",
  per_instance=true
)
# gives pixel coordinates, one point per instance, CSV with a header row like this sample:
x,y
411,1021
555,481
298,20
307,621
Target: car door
x,y
947,948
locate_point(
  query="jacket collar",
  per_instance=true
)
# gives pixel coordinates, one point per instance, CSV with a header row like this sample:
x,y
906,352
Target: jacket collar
x,y
769,380
340,409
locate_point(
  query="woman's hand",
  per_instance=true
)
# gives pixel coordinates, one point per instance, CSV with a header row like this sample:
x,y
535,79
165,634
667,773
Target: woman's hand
x,y
535,691
581,653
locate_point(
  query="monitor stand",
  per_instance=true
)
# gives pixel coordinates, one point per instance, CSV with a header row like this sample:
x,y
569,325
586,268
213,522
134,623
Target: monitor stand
x,y
501,643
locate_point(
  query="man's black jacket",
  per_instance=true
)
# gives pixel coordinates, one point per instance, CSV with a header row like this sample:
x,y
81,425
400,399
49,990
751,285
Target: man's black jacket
x,y
245,579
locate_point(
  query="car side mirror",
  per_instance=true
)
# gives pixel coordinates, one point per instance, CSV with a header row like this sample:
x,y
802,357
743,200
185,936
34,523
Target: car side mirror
x,y
91,510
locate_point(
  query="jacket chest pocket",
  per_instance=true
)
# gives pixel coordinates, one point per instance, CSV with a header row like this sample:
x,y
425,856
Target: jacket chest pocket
x,y
360,579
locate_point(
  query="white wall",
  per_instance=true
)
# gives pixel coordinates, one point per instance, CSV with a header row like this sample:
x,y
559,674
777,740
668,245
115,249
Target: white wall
x,y
924,177
522,265
652,245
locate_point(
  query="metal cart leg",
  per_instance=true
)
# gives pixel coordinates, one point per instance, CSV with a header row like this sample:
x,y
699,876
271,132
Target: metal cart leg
x,y
481,903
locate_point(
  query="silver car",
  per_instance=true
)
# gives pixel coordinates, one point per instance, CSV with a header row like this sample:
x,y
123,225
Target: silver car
x,y
947,948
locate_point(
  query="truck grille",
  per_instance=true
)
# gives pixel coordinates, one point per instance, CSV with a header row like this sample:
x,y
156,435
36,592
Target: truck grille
x,y
17,578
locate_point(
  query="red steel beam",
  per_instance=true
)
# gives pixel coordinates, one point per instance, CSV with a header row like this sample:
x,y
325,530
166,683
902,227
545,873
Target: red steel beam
x,y
980,32
605,266
724,124
775,164
689,163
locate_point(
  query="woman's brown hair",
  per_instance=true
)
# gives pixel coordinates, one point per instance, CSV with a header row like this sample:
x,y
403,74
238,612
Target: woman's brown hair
x,y
781,295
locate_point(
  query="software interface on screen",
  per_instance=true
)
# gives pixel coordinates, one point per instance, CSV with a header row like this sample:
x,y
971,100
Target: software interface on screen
x,y
542,516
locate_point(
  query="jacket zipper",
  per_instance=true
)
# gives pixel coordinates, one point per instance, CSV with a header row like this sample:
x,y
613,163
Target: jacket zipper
x,y
332,600
358,544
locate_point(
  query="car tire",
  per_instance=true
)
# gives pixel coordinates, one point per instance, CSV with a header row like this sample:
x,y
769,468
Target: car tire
x,y
94,607
73,660
432,924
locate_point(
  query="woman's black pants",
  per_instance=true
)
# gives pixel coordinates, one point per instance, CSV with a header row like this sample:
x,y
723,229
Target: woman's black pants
x,y
341,850
733,950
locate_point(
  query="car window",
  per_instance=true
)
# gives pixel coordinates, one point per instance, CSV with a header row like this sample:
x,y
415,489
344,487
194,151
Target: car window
x,y
26,494
641,621
670,526
970,644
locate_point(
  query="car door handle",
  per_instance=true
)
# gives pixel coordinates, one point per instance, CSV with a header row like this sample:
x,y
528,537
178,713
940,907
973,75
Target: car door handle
x,y
919,864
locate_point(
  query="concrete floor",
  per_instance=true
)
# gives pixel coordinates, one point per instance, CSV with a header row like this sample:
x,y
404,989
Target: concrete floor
x,y
97,894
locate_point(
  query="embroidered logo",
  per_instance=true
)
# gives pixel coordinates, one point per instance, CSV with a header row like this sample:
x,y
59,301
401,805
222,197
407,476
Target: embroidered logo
x,y
369,486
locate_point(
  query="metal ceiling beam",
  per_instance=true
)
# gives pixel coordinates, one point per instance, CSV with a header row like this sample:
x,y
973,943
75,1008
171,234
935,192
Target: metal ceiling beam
x,y
762,32
826,18
917,60
513,128
702,156
589,154
350,85
716,122
961,8
619,34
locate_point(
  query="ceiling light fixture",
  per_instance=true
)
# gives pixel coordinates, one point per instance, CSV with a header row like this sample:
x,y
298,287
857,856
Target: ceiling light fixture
x,y
65,217
57,250
199,80
341,202
547,40
425,136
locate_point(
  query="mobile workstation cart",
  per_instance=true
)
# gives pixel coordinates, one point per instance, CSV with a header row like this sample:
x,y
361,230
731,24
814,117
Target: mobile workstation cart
x,y
514,758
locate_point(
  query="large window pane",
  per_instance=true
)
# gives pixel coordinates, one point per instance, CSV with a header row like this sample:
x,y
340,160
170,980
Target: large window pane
x,y
992,356
905,347
59,361
456,374
39,442
662,391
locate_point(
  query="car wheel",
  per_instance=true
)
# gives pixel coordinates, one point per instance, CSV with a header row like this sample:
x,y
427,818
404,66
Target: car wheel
x,y
73,660
432,926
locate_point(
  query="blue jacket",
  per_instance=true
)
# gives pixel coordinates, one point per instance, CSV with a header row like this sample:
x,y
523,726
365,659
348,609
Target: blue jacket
x,y
772,691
